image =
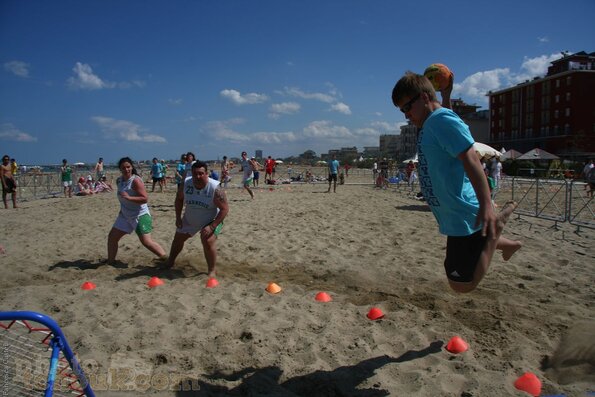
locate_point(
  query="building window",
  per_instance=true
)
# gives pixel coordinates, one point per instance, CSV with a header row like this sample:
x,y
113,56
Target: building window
x,y
556,130
557,99
556,114
568,96
566,128
567,112
568,80
557,83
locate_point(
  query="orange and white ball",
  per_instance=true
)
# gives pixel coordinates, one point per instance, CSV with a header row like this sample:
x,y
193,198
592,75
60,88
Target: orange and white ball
x,y
439,75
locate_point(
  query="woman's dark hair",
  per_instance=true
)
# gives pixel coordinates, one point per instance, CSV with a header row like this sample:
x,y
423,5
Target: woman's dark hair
x,y
127,160
191,154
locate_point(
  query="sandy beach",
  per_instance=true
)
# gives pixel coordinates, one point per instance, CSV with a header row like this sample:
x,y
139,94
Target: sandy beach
x,y
365,247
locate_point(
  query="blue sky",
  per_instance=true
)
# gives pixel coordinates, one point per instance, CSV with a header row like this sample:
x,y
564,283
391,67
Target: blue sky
x,y
88,79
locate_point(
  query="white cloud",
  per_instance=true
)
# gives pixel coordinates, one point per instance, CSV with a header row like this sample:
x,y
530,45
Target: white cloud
x,y
9,132
85,79
175,102
543,39
223,131
326,129
384,127
296,92
18,68
277,109
478,84
126,130
247,99
341,108
274,137
538,66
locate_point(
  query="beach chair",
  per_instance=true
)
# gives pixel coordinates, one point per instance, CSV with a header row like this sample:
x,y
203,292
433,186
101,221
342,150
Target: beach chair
x,y
36,358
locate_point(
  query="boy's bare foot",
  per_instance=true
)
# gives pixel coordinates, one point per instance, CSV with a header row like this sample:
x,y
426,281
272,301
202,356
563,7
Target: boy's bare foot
x,y
509,250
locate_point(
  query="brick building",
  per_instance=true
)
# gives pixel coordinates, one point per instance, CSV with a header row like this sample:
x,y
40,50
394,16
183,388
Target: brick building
x,y
555,113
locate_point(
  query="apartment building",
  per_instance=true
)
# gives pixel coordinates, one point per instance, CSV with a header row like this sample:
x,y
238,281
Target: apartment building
x,y
555,113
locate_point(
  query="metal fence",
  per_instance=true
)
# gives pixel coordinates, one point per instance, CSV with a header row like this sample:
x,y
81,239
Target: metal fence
x,y
555,200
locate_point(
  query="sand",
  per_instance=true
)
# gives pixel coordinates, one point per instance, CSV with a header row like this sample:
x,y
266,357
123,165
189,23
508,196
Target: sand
x,y
365,247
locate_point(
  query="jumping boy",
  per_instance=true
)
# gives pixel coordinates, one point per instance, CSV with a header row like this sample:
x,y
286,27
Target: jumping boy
x,y
454,184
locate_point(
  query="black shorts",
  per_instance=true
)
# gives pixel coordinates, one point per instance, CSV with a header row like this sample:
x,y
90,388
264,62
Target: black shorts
x,y
462,256
157,179
11,186
332,177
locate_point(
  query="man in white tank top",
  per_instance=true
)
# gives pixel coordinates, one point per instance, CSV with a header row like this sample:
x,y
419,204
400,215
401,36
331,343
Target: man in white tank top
x,y
206,207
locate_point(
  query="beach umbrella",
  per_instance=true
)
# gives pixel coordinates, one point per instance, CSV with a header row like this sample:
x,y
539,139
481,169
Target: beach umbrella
x,y
538,154
511,155
414,159
484,150
279,161
79,164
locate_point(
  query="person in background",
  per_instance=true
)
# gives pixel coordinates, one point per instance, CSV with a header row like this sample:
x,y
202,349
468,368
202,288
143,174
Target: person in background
x,y
9,184
225,178
333,173
83,187
247,168
157,174
180,170
258,166
14,167
66,176
164,179
190,159
269,166
99,169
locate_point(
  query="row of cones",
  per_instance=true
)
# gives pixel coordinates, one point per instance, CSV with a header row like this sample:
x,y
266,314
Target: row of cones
x,y
528,382
152,283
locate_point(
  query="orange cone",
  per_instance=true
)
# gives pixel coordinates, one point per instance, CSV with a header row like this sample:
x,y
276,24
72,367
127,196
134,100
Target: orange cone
x,y
323,297
273,288
212,282
529,383
87,285
456,345
375,314
154,282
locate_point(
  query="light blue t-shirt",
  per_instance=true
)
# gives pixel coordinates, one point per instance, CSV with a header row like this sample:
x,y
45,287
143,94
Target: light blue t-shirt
x,y
333,167
443,180
157,170
180,168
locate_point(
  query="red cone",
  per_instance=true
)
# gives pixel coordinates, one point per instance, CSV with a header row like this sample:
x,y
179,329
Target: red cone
x,y
87,285
212,282
323,297
457,345
154,282
375,314
529,383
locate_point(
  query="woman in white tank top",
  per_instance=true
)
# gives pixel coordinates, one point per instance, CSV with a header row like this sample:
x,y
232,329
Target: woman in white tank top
x,y
134,213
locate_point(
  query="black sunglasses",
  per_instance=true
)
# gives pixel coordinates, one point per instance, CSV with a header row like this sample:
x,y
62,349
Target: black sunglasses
x,y
407,107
